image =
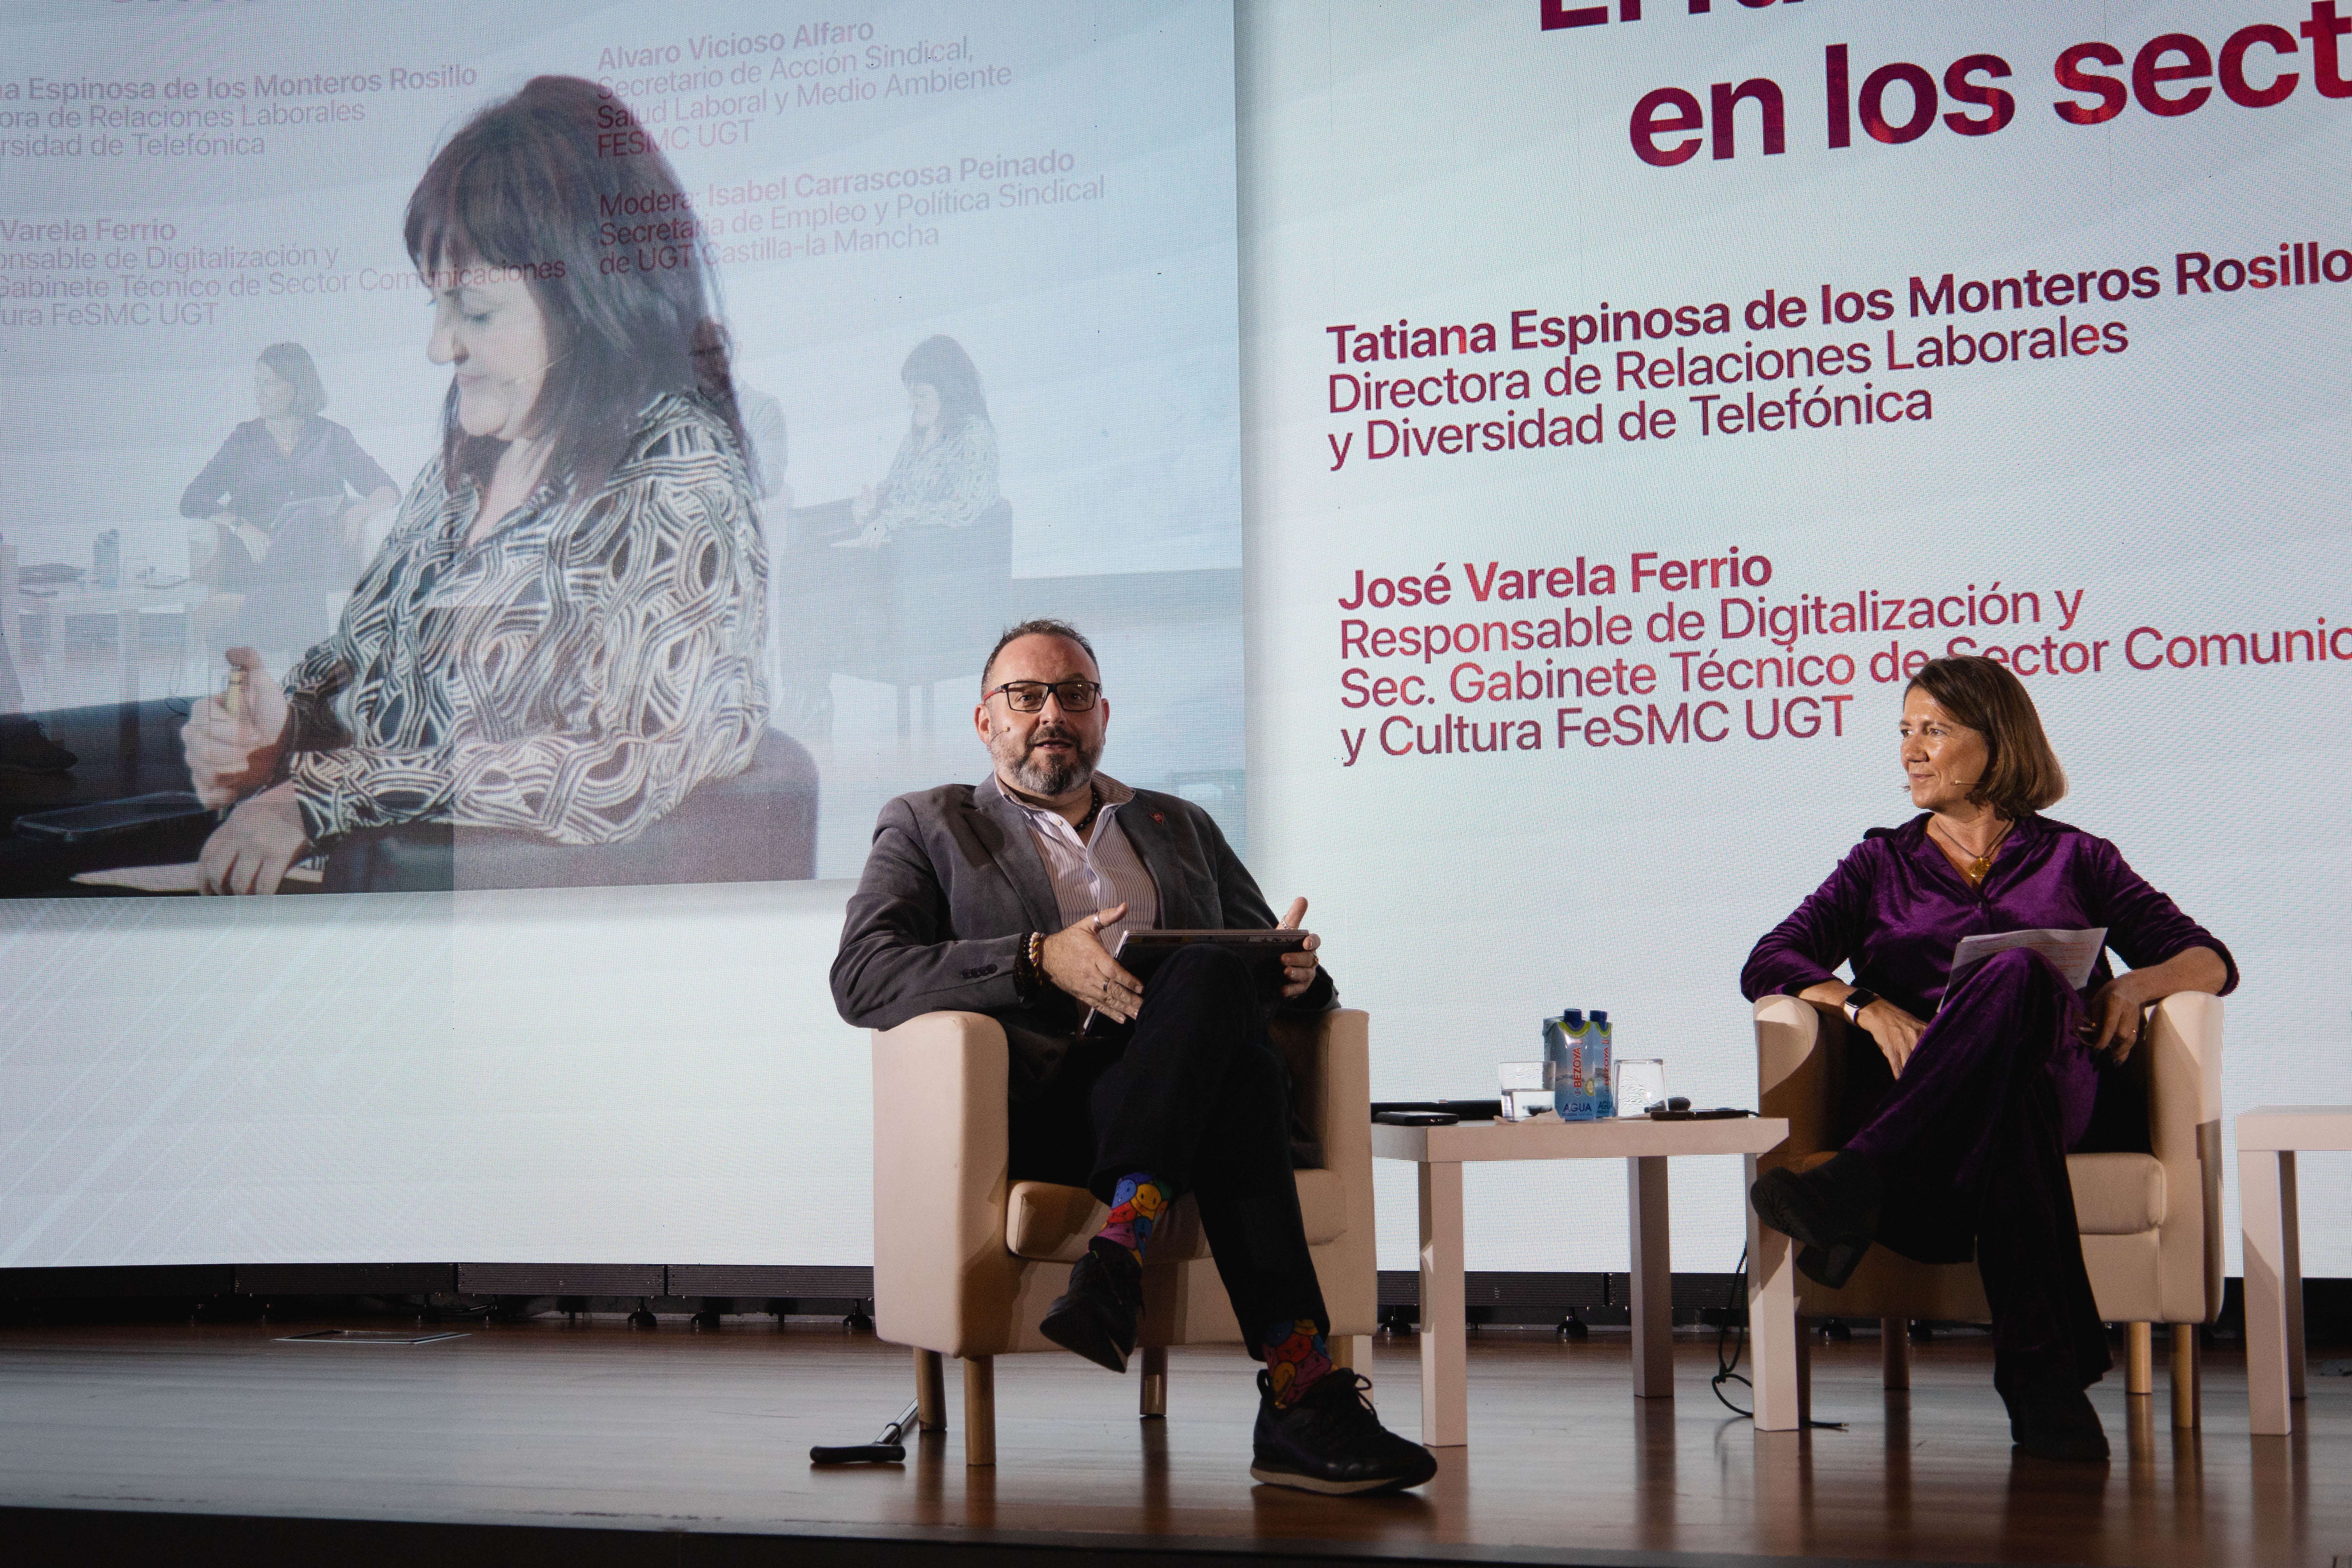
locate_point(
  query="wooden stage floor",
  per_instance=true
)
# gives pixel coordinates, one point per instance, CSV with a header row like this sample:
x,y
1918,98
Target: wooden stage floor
x,y
594,1426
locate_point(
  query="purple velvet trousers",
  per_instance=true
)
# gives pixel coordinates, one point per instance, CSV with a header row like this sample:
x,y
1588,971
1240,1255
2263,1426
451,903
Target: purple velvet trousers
x,y
1971,1141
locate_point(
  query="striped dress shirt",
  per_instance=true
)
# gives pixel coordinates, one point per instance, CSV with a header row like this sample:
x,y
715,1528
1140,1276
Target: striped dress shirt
x,y
1098,871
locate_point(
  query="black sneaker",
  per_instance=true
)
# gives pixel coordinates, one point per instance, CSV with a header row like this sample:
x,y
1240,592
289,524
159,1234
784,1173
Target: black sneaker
x,y
1332,1441
1096,1315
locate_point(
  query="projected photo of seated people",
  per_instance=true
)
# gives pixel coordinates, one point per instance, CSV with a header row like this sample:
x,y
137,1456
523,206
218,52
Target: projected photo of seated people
x,y
845,600
562,635
283,504
945,473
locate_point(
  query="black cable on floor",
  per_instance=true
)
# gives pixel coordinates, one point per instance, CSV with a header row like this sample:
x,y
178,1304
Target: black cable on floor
x,y
1736,1332
1724,1366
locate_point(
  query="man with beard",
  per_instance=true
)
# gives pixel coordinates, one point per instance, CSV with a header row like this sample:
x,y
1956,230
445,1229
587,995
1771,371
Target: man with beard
x,y
1008,898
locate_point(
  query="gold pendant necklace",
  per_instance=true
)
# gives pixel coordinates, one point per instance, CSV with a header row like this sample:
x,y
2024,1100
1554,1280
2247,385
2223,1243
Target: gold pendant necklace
x,y
1980,867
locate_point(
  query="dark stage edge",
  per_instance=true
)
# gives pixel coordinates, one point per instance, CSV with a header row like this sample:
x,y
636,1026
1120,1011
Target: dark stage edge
x,y
133,1535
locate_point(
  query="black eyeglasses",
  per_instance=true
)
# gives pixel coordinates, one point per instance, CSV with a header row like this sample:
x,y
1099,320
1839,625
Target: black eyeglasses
x,y
1029,695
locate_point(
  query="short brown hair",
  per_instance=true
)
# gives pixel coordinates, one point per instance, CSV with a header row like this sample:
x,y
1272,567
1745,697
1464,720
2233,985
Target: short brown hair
x,y
2022,773
1041,626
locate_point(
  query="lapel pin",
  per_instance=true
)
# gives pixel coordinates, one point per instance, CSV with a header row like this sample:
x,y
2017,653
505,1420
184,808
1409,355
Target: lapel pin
x,y
1160,818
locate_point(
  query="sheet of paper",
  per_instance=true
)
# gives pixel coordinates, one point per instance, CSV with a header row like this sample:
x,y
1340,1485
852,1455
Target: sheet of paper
x,y
170,879
2074,953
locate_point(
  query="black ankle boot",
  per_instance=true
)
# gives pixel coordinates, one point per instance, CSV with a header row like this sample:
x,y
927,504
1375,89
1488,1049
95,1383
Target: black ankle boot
x,y
2057,1423
1830,1212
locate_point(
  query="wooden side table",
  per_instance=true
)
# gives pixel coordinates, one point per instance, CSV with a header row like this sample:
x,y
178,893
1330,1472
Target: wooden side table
x,y
1645,1146
2268,1141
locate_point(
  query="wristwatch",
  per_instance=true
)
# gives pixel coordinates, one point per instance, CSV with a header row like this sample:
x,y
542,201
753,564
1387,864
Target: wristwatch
x,y
1856,1001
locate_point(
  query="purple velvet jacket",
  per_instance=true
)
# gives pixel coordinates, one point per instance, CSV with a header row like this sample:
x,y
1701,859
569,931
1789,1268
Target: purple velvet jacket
x,y
1896,907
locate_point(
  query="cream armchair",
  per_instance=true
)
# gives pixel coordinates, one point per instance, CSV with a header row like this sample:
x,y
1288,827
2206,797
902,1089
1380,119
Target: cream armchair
x,y
966,1259
2151,1222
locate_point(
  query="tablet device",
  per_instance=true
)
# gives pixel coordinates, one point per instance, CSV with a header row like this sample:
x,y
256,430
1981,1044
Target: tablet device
x,y
1142,952
112,818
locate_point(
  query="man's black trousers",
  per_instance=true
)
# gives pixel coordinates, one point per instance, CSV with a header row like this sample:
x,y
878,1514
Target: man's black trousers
x,y
1196,1094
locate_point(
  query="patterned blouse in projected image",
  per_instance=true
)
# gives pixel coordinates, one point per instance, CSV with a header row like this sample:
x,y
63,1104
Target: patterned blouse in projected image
x,y
573,675
947,485
1897,908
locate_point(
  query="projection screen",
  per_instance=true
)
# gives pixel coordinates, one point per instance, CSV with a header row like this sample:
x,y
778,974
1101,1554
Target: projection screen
x,y
1510,456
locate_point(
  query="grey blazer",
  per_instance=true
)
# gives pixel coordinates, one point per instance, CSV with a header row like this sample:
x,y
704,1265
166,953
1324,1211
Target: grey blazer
x,y
954,884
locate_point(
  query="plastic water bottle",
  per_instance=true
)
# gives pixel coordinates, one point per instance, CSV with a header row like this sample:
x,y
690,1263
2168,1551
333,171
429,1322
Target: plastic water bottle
x,y
1601,1059
1566,1041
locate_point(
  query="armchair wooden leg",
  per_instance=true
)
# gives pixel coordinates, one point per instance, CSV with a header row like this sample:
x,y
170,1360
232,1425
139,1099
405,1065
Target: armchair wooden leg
x,y
931,1391
2139,1358
979,1410
2185,1412
1155,1380
1894,1351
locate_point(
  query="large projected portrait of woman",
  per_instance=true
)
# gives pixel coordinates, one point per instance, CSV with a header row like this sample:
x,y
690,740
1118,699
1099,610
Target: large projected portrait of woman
x,y
561,639
752,406
550,671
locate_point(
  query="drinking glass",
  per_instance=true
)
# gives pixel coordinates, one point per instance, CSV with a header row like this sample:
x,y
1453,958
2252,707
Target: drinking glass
x,y
1525,1092
1641,1084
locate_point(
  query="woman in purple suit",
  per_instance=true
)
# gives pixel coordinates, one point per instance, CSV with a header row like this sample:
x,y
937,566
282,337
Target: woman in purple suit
x,y
1978,1089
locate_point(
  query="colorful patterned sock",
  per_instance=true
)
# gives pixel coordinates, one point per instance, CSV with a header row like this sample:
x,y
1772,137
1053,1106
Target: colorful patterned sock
x,y
1136,1206
1296,1357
